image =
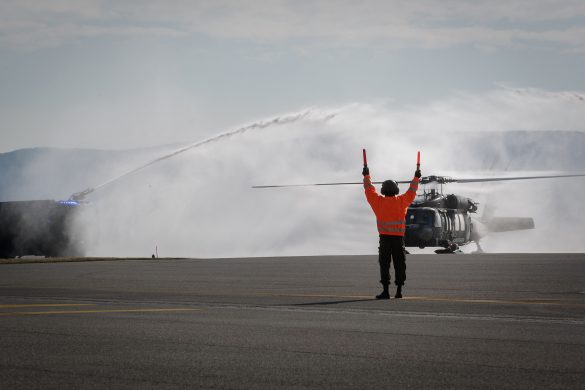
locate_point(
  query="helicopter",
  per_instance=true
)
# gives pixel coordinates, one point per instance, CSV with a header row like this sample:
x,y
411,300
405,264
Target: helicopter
x,y
447,221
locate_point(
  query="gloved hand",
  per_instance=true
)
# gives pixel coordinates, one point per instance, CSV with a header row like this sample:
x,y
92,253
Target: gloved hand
x,y
366,171
417,173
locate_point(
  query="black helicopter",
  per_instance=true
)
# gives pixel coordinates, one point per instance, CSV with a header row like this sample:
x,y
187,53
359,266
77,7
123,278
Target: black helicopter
x,y
446,221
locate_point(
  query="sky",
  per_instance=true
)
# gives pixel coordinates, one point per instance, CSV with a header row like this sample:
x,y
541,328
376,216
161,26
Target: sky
x,y
126,74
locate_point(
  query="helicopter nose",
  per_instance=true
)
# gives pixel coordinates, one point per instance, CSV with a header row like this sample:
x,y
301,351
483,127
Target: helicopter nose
x,y
420,232
425,233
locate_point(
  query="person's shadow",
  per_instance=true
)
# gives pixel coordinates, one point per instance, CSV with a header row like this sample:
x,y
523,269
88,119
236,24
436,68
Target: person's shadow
x,y
332,302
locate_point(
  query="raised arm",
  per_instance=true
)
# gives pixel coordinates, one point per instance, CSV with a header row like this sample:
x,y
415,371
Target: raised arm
x,y
369,189
410,194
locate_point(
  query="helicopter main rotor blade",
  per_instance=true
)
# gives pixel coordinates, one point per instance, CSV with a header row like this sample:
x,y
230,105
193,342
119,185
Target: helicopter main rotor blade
x,y
430,179
323,184
487,179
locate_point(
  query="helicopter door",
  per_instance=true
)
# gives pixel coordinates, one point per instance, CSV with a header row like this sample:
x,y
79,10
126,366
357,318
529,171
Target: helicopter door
x,y
437,219
461,228
444,223
461,218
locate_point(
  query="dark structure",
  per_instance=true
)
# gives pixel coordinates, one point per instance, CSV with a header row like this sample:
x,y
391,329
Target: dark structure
x,y
39,228
437,220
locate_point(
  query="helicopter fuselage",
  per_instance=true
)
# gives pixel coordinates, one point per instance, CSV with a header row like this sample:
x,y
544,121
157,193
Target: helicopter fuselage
x,y
435,227
436,220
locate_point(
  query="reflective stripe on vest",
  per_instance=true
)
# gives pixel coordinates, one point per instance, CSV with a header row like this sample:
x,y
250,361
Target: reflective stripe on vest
x,y
413,186
383,230
391,226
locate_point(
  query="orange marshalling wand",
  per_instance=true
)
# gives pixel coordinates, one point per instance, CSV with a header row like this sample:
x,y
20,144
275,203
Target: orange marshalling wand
x,y
365,158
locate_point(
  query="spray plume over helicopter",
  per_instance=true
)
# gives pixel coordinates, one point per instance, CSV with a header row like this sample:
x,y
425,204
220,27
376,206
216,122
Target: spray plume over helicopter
x,y
279,120
45,227
447,221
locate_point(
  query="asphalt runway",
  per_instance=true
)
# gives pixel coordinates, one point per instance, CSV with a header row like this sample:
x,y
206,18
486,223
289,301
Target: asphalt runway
x,y
467,321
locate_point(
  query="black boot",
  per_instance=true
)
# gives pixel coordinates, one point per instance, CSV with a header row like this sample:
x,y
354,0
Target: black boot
x,y
384,294
398,292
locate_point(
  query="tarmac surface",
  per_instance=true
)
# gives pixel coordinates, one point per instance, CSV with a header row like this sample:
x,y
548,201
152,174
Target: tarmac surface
x,y
467,321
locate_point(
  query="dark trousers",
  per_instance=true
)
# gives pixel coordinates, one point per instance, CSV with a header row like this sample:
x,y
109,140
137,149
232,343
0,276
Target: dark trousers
x,y
392,248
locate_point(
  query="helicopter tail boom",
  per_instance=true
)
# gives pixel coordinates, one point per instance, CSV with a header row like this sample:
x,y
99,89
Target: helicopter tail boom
x,y
508,224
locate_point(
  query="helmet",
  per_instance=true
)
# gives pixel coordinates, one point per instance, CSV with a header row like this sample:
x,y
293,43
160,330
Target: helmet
x,y
389,188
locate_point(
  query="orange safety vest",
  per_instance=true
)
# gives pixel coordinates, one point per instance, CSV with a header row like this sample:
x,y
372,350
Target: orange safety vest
x,y
390,210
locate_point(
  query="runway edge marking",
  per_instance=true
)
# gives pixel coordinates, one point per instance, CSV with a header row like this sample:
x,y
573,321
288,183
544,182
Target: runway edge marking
x,y
52,312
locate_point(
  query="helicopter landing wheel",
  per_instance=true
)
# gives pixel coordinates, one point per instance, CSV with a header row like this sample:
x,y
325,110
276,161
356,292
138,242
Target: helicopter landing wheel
x,y
450,249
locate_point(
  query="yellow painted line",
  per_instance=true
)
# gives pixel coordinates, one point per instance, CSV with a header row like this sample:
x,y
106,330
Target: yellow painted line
x,y
29,313
496,301
45,305
435,299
